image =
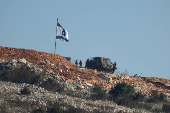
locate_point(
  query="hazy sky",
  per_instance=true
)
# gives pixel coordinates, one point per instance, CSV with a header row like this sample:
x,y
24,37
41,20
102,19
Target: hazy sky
x,y
133,33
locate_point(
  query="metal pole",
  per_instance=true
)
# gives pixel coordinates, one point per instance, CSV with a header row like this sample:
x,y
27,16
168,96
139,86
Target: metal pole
x,y
55,38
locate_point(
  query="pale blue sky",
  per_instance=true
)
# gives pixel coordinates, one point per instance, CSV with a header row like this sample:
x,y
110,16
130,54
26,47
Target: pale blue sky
x,y
133,33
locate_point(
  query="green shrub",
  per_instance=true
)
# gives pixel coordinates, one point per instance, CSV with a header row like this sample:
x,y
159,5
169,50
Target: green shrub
x,y
52,85
25,91
130,103
154,94
21,75
57,108
157,98
99,93
39,110
166,108
162,97
4,75
122,89
138,97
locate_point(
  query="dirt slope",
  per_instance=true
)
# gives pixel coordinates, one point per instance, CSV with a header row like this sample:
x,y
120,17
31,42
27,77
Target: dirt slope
x,y
68,71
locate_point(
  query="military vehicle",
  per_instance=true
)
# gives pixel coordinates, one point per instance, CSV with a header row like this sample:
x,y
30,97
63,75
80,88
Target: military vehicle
x,y
101,64
68,58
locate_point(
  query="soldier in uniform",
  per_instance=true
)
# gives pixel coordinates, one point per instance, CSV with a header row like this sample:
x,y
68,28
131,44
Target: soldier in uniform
x,y
87,63
80,63
76,62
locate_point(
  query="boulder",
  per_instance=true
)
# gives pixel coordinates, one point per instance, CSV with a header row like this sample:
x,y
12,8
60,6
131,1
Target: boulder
x,y
43,63
59,65
13,61
46,62
104,77
22,61
88,84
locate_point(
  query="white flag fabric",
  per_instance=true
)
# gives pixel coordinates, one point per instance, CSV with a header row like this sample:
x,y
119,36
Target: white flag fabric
x,y
61,33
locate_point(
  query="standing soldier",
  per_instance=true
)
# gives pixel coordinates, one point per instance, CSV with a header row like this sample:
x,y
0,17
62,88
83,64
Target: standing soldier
x,y
80,63
76,62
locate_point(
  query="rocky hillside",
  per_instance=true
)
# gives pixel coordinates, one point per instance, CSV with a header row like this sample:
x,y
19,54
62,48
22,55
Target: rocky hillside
x,y
67,70
78,81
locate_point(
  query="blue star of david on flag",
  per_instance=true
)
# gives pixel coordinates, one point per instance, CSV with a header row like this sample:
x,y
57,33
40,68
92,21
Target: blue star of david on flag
x,y
61,33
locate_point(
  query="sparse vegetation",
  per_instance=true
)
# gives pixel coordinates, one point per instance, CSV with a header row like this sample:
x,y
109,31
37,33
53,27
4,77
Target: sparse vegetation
x,y
39,110
155,98
122,94
25,75
20,75
25,91
122,90
99,93
138,97
162,97
57,108
52,85
166,108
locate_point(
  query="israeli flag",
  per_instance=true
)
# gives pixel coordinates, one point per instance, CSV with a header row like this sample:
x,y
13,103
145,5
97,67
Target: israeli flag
x,y
61,33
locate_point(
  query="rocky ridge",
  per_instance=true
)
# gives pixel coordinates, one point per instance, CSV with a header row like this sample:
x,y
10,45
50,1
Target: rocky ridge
x,y
10,93
66,73
58,65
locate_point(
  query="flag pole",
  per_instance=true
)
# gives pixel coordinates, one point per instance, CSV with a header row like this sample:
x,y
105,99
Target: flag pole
x,y
55,38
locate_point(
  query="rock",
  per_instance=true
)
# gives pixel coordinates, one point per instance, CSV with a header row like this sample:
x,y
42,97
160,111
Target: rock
x,y
43,63
51,64
104,77
46,62
65,84
28,64
22,61
13,61
88,84
59,65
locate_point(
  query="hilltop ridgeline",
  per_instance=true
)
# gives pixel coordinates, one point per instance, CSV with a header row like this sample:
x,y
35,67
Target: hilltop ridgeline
x,y
78,81
64,68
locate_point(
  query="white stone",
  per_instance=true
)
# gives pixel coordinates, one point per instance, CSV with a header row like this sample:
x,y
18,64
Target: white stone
x,y
88,84
22,61
13,61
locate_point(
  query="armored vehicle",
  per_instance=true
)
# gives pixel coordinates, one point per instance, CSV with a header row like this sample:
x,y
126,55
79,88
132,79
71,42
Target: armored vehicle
x,y
68,58
101,64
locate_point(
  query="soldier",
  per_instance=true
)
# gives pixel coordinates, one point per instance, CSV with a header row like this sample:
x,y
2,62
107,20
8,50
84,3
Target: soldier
x,y
80,63
76,62
87,64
